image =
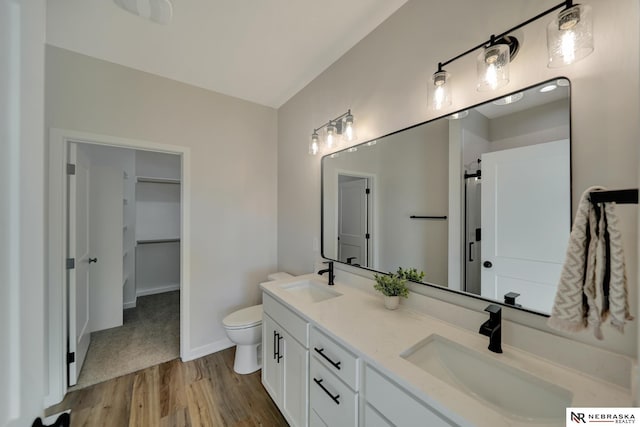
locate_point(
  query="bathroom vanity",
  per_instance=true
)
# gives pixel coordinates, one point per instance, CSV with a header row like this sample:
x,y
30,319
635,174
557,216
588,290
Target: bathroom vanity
x,y
334,356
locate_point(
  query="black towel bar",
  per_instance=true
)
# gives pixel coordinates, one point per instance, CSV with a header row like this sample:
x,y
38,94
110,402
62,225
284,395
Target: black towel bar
x,y
629,196
427,217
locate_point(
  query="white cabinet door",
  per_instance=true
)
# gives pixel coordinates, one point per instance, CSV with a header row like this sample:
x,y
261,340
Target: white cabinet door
x,y
271,364
296,374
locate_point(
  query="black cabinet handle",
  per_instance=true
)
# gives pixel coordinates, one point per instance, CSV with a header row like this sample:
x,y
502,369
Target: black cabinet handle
x,y
487,264
275,345
470,249
320,351
93,260
279,355
334,398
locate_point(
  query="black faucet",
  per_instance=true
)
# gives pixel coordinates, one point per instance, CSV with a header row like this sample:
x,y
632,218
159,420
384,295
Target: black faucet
x,y
330,271
493,328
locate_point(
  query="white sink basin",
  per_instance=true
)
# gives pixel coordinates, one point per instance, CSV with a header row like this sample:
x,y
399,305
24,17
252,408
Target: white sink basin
x,y
514,393
311,291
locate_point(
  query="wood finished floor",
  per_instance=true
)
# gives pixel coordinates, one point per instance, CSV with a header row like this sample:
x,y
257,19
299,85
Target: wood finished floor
x,y
202,392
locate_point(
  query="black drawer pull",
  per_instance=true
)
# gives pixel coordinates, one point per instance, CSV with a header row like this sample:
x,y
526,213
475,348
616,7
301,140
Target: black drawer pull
x,y
320,351
279,355
334,398
275,345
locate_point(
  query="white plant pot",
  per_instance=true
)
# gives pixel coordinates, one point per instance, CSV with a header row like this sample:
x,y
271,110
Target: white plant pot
x,y
391,303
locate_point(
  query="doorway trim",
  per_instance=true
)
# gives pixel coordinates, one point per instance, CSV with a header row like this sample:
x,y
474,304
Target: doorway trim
x,y
56,345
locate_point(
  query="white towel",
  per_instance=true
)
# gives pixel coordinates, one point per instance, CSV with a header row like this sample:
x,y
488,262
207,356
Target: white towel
x,y
593,283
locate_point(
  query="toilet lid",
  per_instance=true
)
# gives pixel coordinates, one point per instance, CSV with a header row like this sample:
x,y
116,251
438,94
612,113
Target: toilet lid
x,y
244,318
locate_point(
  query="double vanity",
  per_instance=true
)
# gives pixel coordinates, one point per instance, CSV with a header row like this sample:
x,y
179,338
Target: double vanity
x,y
334,356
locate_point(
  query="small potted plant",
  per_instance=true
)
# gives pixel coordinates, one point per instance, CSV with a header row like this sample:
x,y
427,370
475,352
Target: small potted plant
x,y
392,286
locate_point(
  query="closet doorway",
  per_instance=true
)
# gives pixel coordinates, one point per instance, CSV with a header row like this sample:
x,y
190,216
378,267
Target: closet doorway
x,y
124,235
117,220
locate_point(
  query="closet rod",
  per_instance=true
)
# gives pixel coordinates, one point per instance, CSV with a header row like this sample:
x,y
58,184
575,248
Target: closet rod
x,y
158,180
148,242
427,217
629,196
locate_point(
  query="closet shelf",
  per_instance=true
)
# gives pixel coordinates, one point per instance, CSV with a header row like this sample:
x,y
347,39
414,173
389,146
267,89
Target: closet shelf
x,y
155,180
152,241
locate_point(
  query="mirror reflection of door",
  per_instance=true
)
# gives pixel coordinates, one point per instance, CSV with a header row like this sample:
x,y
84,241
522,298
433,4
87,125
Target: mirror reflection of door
x,y
353,220
525,222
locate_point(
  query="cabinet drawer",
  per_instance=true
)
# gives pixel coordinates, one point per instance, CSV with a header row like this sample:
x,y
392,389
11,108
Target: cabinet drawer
x,y
373,419
297,327
334,357
398,406
330,399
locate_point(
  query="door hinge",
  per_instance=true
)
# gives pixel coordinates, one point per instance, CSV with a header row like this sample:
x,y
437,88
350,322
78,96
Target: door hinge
x,y
367,191
71,169
71,357
367,236
71,263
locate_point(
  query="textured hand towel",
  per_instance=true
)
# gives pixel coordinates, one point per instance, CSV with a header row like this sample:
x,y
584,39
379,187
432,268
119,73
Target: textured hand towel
x,y
593,283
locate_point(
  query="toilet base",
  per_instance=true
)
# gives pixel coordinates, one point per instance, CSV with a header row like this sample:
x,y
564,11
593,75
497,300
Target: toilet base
x,y
248,359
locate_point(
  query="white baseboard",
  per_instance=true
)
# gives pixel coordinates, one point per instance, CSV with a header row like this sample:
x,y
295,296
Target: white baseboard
x,y
166,287
207,349
129,304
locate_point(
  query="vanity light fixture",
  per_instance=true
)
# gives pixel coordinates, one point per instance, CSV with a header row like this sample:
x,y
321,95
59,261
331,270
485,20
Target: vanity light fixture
x,y
441,89
340,127
493,62
569,39
314,144
570,36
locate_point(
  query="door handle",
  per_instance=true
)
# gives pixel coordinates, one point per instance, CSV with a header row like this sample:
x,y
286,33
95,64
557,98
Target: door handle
x,y
487,264
470,248
93,260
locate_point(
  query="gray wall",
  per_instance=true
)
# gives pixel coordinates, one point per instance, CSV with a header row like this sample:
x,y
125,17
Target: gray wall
x,y
384,79
233,171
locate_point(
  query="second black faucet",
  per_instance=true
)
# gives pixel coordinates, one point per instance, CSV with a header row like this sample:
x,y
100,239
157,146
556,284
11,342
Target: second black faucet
x,y
330,271
493,328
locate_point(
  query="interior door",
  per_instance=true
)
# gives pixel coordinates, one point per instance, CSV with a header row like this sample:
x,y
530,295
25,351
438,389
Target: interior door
x,y
352,221
79,250
525,222
105,228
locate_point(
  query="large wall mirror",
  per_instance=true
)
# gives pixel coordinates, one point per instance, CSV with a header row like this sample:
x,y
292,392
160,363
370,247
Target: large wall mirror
x,y
479,200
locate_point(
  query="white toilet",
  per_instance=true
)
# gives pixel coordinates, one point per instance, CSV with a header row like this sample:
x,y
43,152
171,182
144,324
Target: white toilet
x,y
244,328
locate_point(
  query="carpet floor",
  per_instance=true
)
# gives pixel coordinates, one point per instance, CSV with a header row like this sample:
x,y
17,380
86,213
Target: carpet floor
x,y
149,335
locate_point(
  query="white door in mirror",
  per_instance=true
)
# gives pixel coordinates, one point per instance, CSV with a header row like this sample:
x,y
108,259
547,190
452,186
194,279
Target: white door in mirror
x,y
526,201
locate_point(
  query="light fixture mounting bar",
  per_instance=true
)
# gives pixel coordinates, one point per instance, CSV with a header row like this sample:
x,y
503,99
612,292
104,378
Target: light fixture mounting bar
x,y
340,117
566,4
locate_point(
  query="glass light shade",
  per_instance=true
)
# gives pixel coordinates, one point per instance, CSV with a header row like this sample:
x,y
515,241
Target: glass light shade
x,y
331,136
348,133
493,67
314,144
570,36
440,90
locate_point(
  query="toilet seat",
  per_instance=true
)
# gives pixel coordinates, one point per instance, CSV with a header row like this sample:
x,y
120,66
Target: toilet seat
x,y
245,318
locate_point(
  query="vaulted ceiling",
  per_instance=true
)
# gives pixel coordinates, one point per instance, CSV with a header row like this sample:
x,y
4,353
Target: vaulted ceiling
x,y
262,51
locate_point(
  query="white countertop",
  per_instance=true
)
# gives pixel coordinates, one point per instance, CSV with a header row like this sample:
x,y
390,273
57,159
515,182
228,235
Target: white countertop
x,y
359,321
